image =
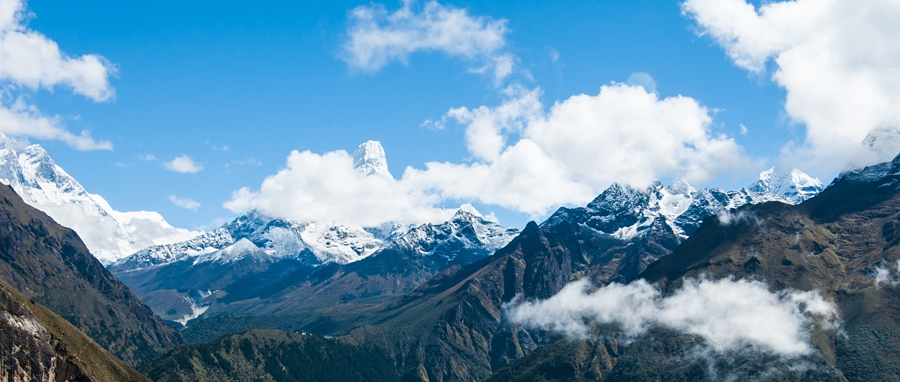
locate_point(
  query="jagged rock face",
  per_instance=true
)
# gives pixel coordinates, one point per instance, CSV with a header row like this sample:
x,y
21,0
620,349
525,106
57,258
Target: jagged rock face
x,y
30,353
51,265
37,345
259,265
109,234
625,212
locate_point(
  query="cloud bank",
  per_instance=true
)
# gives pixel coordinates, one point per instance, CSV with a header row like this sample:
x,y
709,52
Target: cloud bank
x,y
524,158
727,314
31,60
570,153
376,37
837,60
328,187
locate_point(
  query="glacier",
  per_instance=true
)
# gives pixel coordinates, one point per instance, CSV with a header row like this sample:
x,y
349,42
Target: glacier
x,y
109,234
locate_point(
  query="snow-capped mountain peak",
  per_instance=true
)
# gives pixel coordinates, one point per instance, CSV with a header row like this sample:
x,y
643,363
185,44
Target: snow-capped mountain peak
x,y
625,212
467,208
109,234
787,182
369,158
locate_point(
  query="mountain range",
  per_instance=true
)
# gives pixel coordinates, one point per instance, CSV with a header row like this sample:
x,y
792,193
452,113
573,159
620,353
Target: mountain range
x,y
841,244
109,234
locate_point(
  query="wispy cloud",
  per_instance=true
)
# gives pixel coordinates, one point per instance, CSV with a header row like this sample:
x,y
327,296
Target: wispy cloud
x,y
183,164
190,204
376,37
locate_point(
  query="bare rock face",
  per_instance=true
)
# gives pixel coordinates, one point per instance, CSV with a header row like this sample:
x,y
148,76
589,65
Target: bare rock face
x,y
35,346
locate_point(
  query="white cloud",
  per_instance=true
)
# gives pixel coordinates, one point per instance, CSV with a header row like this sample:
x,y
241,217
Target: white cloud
x,y
190,204
22,120
30,59
743,129
727,314
837,59
328,187
567,155
564,156
183,164
376,37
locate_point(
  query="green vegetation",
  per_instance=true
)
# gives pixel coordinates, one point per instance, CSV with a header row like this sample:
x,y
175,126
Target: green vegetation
x,y
272,355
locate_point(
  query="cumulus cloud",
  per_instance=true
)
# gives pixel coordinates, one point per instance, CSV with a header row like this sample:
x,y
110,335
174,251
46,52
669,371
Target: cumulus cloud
x,y
190,204
727,314
22,120
29,59
328,187
571,152
376,37
837,60
183,164
525,159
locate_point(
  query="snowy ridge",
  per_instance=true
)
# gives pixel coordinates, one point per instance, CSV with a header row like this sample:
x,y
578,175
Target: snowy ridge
x,y
625,213
468,230
872,173
317,243
109,234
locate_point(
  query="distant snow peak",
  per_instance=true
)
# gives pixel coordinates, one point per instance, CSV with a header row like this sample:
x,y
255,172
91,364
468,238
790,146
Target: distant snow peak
x,y
467,208
883,142
369,158
787,182
108,234
625,213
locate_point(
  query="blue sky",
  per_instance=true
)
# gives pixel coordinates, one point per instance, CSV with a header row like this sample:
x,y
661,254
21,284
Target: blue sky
x,y
237,86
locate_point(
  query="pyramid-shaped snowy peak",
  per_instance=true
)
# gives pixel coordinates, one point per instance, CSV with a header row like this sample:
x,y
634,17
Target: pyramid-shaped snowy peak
x,y
369,159
787,182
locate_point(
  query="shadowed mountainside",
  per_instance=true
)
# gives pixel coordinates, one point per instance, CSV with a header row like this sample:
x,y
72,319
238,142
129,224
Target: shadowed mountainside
x,y
38,345
49,264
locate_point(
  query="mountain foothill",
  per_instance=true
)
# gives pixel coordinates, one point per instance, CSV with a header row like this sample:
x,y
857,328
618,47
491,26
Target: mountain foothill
x,y
267,298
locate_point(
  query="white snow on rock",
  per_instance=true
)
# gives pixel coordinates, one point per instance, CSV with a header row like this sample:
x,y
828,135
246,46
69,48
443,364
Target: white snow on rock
x,y
370,159
109,234
317,243
626,213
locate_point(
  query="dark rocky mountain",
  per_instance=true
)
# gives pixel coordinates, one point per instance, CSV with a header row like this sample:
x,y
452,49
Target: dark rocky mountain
x,y
843,243
453,326
50,265
38,345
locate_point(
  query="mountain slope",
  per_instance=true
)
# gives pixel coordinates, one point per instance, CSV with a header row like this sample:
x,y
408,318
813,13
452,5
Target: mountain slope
x,y
50,264
109,234
269,355
843,243
38,345
453,328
